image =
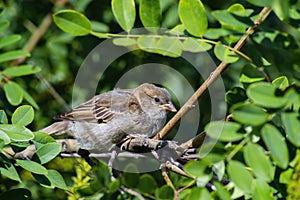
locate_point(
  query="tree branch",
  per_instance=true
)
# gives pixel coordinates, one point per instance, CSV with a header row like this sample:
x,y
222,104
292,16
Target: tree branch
x,y
211,79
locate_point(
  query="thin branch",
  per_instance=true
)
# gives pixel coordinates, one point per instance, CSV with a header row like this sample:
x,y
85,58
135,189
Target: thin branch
x,y
211,79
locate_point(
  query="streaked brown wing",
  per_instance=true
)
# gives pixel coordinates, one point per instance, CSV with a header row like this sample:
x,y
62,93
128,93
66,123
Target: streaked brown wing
x,y
102,108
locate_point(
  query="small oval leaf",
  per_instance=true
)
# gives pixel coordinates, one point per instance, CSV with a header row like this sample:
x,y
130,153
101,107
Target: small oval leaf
x,y
12,55
195,45
263,94
31,166
255,157
17,132
13,93
8,40
224,131
150,13
124,41
23,115
193,16
48,151
291,124
276,145
245,113
56,179
241,177
21,70
224,54
124,12
72,22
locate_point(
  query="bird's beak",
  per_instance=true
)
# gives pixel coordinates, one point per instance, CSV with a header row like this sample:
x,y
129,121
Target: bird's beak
x,y
169,107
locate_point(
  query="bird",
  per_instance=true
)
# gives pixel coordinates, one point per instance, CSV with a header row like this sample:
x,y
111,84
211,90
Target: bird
x,y
102,122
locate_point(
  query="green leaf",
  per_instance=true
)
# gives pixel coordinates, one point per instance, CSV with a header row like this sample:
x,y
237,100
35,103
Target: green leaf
x,y
3,117
48,151
41,138
56,179
195,169
261,3
124,12
251,74
276,145
194,45
17,132
16,194
114,186
12,55
241,177
261,190
169,46
147,43
4,24
263,94
21,70
31,166
193,16
245,113
291,124
147,184
236,95
8,40
281,8
238,9
4,137
150,13
29,98
221,191
224,54
165,192
224,131
43,180
229,21
13,93
72,22
286,176
261,165
23,115
124,41
198,193
215,33
281,82
10,173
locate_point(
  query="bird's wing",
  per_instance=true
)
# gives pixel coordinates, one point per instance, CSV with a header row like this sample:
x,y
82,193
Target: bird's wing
x,y
104,107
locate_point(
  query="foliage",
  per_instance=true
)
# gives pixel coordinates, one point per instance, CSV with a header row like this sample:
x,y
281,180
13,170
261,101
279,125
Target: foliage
x,y
258,147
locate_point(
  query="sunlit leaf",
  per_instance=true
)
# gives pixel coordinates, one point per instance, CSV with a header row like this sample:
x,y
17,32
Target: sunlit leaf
x,y
13,93
12,55
21,70
32,166
124,12
17,132
224,54
193,16
23,115
150,13
224,131
72,22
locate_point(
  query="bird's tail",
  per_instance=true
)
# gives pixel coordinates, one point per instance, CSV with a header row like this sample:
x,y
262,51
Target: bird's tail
x,y
58,128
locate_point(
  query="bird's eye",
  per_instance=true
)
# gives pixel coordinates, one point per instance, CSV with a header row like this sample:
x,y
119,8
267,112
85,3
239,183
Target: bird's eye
x,y
156,99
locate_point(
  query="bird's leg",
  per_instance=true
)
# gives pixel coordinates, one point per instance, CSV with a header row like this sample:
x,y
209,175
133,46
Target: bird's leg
x,y
85,154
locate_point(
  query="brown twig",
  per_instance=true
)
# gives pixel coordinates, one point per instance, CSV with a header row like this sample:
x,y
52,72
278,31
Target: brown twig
x,y
211,79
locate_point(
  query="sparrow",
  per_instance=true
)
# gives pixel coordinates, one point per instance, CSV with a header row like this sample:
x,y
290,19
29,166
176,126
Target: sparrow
x,y
104,121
